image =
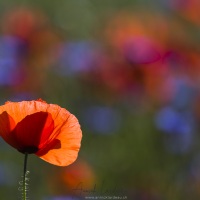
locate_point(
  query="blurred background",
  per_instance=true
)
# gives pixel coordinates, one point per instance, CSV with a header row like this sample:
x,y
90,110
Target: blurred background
x,y
130,71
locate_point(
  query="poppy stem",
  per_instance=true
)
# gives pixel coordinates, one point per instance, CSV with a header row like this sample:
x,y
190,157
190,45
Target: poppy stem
x,y
25,162
24,176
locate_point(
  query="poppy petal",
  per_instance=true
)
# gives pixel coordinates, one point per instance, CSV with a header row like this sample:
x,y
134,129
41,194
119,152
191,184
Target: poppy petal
x,y
33,131
69,137
19,110
7,124
49,131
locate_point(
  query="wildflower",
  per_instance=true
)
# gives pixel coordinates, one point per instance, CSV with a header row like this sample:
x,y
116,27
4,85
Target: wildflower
x,y
47,130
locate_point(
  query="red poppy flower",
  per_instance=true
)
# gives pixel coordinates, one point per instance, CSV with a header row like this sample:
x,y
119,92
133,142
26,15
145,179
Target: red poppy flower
x,y
47,130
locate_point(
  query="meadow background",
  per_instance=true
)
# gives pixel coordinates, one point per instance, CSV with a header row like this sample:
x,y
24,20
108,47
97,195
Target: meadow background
x,y
130,71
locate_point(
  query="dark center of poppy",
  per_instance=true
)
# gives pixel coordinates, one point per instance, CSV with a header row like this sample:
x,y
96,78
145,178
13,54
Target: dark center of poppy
x,y
29,149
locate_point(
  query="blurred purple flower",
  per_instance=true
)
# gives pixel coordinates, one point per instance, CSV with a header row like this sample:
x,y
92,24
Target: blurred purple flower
x,y
10,48
78,57
171,121
179,127
184,94
101,119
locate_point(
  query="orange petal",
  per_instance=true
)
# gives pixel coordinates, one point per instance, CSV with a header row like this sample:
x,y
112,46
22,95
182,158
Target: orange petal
x,y
7,124
33,131
63,143
68,139
19,110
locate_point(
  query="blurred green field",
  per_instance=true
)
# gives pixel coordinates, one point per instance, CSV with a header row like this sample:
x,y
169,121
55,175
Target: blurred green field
x,y
133,157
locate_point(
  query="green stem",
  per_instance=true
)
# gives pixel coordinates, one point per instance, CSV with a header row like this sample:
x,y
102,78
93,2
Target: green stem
x,y
24,176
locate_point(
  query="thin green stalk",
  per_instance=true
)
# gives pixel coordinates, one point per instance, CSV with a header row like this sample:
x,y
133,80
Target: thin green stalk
x,y
24,176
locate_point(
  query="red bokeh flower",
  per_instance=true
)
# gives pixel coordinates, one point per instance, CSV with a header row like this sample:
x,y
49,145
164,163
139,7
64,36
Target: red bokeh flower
x,y
47,130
